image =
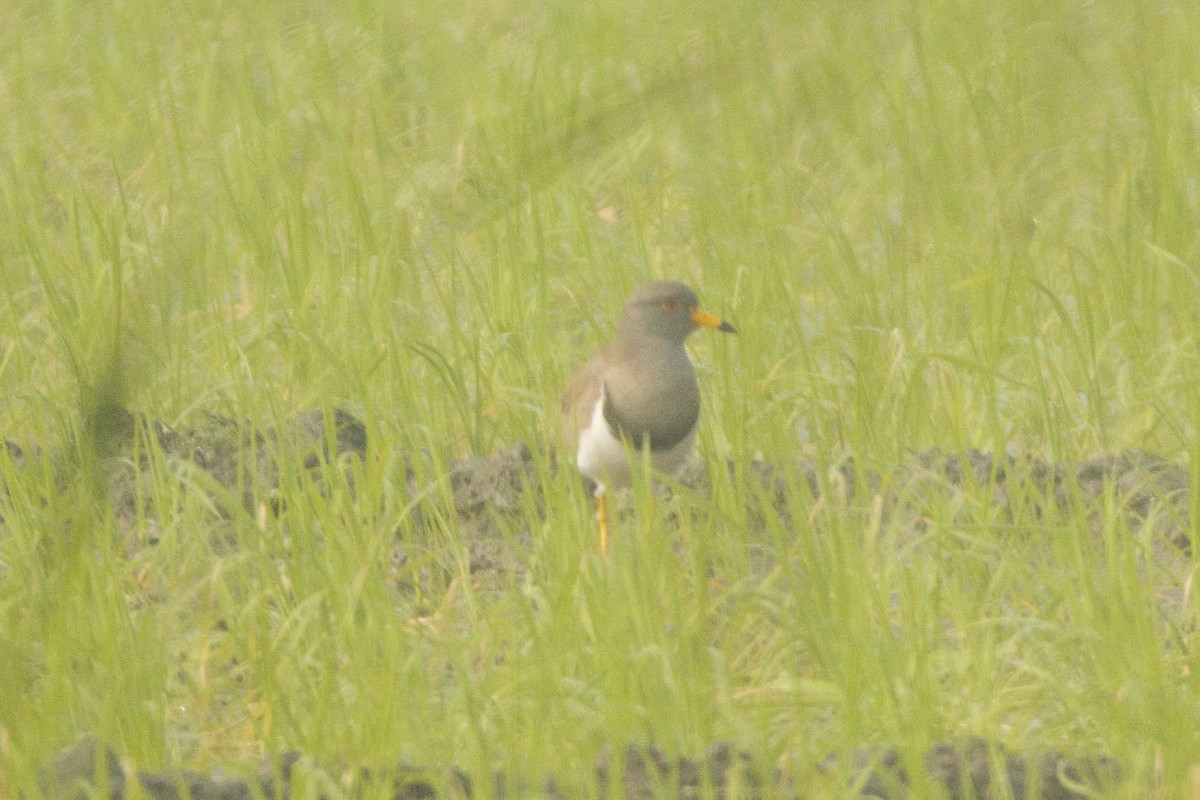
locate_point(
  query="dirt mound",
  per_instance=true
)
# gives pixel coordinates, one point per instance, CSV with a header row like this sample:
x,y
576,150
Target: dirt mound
x,y
969,769
241,462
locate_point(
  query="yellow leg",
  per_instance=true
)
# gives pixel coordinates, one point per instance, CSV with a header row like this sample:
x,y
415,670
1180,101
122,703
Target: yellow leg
x,y
602,515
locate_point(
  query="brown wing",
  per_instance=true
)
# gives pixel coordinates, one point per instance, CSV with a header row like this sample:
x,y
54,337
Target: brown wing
x,y
579,398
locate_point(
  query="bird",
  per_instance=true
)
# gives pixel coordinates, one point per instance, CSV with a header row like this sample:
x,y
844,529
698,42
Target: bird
x,y
638,392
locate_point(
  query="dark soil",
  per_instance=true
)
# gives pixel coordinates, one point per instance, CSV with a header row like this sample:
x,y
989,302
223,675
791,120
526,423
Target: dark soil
x,y
492,494
969,769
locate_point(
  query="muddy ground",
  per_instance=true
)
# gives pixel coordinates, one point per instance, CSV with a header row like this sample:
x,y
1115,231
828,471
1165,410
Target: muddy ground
x,y
971,768
490,493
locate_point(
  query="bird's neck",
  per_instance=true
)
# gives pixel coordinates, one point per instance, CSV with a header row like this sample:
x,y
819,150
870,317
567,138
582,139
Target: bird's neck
x,y
652,351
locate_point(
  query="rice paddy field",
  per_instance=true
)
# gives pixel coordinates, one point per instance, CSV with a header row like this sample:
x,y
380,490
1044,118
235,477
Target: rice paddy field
x,y
961,245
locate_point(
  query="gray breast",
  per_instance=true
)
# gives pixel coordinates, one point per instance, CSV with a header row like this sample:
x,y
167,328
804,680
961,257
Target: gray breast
x,y
659,411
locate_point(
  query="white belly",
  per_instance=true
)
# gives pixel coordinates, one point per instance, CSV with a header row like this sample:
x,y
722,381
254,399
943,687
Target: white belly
x,y
603,458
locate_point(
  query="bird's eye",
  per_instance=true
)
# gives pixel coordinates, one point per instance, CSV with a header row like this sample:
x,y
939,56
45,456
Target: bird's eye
x,y
671,304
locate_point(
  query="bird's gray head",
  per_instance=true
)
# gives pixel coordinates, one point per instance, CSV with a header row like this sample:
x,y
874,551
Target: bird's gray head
x,y
666,310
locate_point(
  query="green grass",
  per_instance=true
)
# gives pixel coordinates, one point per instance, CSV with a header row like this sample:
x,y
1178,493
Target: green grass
x,y
937,224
